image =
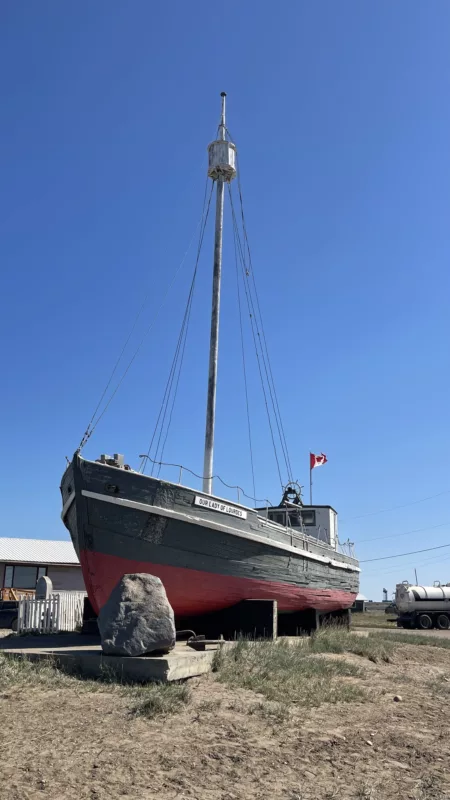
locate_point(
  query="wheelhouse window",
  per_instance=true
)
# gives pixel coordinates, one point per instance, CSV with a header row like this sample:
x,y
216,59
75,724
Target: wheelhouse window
x,y
21,576
296,518
308,516
278,518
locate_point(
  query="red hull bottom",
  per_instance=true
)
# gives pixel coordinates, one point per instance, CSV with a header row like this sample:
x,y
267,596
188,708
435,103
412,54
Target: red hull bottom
x,y
193,592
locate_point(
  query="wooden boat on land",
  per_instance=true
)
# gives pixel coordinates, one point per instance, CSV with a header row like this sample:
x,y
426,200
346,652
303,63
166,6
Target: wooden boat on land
x,y
210,553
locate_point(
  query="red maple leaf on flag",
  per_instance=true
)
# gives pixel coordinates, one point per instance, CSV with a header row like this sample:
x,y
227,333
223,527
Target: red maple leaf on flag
x,y
316,460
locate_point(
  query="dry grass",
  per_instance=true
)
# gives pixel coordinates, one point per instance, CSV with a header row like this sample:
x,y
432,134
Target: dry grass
x,y
147,700
373,619
270,711
407,638
440,686
17,671
161,699
210,705
429,788
365,791
334,640
291,672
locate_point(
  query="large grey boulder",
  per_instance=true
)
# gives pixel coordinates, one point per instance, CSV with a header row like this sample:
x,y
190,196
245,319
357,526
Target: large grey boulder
x,y
137,618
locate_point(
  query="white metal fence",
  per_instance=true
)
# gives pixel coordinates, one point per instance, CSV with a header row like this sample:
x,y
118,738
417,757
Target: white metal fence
x,y
62,611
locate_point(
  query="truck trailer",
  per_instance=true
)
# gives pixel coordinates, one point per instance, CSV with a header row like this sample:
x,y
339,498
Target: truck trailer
x,y
423,607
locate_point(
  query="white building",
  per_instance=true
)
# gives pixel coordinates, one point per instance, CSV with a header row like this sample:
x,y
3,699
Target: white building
x,y
23,561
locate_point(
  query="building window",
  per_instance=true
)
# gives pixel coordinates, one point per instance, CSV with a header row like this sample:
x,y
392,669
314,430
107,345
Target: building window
x,y
21,576
9,572
295,519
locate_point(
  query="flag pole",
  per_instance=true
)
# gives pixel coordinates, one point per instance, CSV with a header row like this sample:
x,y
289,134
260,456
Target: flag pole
x,y
310,481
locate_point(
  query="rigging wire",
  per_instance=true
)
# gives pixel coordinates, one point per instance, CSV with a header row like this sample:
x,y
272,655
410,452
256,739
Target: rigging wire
x,y
94,421
173,370
181,348
265,358
243,362
252,325
176,388
176,364
257,338
264,340
265,500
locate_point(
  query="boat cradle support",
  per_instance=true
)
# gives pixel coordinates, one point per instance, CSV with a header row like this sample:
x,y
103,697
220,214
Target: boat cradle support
x,y
259,619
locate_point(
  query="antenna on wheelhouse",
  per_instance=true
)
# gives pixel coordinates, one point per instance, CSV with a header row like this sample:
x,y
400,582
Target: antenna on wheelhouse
x,y
221,168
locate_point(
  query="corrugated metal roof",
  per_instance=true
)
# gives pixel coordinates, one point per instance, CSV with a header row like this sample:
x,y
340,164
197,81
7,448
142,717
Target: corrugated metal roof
x,y
37,551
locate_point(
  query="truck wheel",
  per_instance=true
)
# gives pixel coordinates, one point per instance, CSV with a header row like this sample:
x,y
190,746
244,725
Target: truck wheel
x,y
14,624
443,622
424,622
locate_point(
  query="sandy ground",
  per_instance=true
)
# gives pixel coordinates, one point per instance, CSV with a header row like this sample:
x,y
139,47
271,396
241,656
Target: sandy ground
x,y
74,744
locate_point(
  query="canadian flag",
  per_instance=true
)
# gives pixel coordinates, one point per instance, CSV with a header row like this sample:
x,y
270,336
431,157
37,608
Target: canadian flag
x,y
317,461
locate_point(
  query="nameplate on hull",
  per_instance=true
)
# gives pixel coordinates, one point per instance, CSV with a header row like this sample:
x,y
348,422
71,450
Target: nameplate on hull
x,y
216,505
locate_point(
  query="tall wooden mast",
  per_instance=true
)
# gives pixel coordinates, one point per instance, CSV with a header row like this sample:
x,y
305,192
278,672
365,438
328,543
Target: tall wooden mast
x,y
221,168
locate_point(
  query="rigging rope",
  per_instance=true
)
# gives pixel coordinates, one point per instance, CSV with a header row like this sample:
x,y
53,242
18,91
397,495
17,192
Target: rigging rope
x,y
177,362
253,323
94,421
264,347
173,370
264,351
243,365
271,382
176,366
269,367
176,389
268,503
265,359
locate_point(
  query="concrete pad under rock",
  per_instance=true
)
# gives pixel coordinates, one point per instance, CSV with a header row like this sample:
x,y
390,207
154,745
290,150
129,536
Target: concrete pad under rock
x,y
83,655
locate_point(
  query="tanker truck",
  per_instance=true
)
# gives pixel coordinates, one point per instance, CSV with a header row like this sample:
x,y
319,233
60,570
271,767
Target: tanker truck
x,y
423,606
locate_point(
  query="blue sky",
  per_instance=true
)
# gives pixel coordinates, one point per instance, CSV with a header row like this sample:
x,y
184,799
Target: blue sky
x,y
340,113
